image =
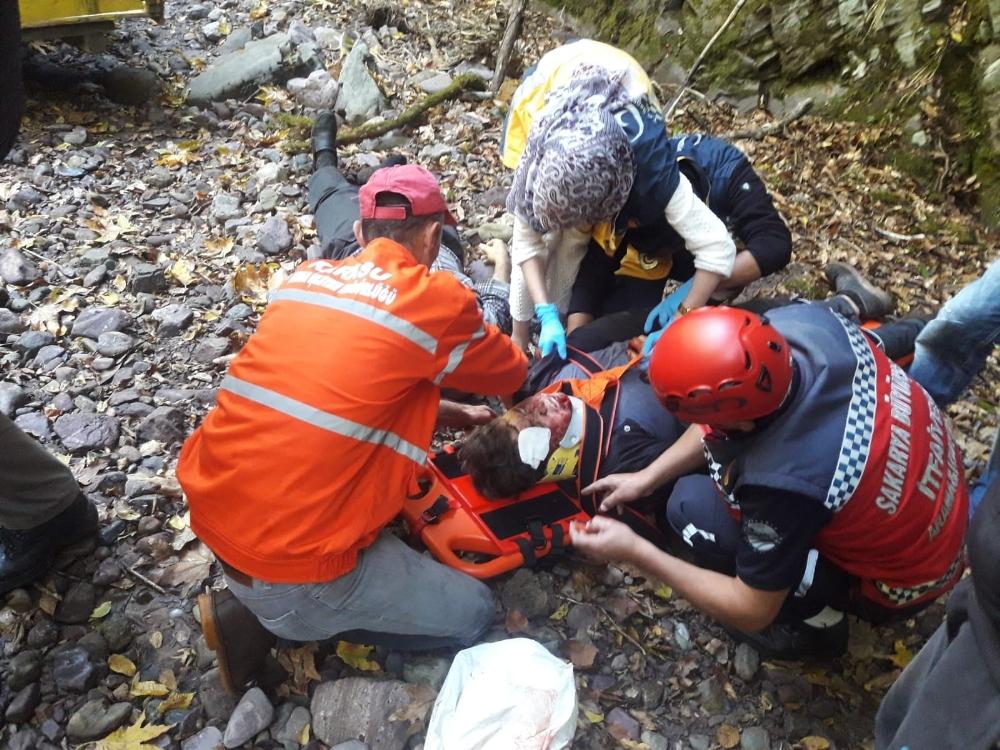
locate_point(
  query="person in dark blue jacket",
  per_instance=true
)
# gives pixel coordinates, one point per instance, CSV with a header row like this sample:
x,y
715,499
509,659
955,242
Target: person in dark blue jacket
x,y
631,274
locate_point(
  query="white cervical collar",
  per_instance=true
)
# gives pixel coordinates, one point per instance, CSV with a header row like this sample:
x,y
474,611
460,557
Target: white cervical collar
x,y
533,442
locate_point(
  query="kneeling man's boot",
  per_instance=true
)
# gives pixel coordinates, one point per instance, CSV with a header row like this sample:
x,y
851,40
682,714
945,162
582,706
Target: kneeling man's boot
x,y
26,554
820,637
242,645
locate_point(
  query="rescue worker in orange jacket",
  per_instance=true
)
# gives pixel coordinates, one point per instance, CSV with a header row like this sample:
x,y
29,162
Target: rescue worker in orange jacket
x,y
319,430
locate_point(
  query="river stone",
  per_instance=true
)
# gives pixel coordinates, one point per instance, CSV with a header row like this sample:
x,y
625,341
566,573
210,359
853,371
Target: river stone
x,y
73,670
621,724
360,97
523,592
173,319
95,719
357,707
208,738
35,424
10,322
210,348
274,236
147,278
436,83
87,431
22,705
291,730
23,669
77,603
11,397
114,343
218,703
755,738
94,321
746,660
165,424
32,341
16,269
258,62
252,715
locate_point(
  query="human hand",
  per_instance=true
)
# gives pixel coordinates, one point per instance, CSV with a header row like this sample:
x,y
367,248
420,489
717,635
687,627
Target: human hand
x,y
459,416
662,315
620,489
604,539
553,335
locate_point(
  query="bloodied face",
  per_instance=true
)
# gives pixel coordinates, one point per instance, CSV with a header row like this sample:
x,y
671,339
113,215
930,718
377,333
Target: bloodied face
x,y
551,410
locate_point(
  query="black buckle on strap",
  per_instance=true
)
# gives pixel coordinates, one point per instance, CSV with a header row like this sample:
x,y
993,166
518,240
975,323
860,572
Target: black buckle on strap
x,y
432,514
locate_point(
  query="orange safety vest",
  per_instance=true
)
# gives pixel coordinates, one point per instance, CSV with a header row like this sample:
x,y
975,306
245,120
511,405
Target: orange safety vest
x,y
326,415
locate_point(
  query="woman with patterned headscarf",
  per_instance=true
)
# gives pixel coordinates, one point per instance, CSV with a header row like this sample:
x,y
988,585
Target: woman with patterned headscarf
x,y
592,159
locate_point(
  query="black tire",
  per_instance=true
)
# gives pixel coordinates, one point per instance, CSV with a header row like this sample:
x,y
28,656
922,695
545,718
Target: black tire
x,y
11,82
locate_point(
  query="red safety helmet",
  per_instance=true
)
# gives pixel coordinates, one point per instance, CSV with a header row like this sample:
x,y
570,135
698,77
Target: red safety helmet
x,y
718,365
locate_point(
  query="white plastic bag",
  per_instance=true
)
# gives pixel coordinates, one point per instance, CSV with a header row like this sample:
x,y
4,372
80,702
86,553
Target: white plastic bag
x,y
508,695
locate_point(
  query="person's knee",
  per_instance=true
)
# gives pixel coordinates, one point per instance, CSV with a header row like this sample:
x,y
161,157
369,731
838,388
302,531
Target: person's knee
x,y
481,612
684,503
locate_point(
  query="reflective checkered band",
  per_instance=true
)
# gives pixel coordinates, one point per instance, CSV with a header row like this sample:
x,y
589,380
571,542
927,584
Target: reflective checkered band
x,y
860,423
903,596
715,472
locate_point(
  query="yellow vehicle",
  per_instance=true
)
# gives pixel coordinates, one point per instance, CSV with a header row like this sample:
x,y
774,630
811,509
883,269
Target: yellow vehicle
x,y
47,19
83,20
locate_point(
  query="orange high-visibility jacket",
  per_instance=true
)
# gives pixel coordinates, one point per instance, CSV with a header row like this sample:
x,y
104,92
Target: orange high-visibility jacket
x,y
327,413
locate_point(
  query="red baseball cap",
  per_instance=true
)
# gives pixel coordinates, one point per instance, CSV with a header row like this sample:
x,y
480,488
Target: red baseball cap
x,y
409,180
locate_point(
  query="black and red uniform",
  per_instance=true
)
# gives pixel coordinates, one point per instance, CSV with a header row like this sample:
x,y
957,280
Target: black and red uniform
x,y
851,495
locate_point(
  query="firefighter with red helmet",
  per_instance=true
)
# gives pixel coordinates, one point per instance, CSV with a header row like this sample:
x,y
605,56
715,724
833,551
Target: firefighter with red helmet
x,y
830,482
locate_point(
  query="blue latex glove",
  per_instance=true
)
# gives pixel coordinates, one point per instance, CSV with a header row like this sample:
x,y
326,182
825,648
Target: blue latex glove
x,y
661,315
553,335
647,348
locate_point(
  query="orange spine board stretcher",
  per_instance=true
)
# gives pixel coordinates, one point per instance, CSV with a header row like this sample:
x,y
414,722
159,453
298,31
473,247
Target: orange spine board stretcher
x,y
451,518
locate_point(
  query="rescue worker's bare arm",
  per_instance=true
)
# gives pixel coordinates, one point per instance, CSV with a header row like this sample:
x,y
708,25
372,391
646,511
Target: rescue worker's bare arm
x,y
745,271
683,457
726,598
454,414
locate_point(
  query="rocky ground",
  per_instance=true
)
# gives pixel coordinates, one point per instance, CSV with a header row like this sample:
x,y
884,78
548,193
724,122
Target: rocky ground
x,y
137,245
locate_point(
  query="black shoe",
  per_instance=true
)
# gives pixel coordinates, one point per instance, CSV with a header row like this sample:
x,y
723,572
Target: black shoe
x,y
796,640
26,555
872,303
324,140
241,644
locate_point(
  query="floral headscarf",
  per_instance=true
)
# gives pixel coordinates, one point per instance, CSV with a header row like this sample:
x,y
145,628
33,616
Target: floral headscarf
x,y
577,167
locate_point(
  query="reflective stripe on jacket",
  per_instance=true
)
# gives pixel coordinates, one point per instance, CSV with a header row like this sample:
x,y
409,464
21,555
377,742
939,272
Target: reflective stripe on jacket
x,y
328,411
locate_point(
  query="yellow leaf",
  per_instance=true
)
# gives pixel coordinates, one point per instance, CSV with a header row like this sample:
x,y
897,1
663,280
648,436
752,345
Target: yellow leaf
x,y
728,736
156,639
101,610
220,246
183,270
664,592
121,665
356,655
174,701
560,614
177,523
110,298
145,688
902,655
592,716
133,737
814,742
304,736
224,26
256,13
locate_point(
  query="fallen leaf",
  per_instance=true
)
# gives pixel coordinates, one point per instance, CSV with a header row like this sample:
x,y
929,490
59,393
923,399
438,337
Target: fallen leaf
x,y
220,246
664,592
133,737
422,697
101,610
121,664
183,271
143,688
193,567
304,736
259,10
902,655
592,716
814,742
516,622
581,654
882,682
156,639
174,701
356,655
560,614
728,736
